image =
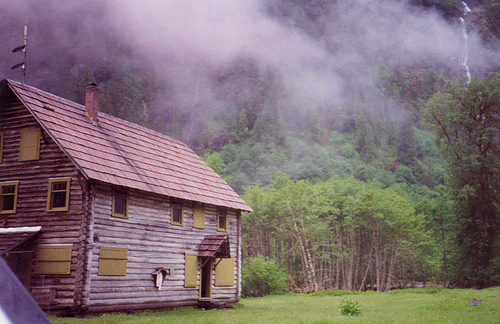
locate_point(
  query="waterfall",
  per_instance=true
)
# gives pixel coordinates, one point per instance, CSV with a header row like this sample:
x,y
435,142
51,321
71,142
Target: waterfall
x,y
465,50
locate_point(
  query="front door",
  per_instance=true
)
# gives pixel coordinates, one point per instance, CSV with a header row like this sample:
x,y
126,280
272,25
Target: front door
x,y
206,279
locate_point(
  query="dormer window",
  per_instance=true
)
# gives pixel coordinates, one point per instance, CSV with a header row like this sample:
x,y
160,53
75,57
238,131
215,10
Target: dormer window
x,y
29,149
120,204
176,214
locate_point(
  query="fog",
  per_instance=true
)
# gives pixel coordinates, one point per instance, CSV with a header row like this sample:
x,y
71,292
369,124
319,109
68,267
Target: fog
x,y
315,60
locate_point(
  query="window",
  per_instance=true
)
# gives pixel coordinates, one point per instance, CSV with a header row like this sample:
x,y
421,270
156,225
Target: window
x,y
191,270
8,197
29,148
120,204
112,261
224,272
176,214
58,196
199,216
53,259
221,220
1,146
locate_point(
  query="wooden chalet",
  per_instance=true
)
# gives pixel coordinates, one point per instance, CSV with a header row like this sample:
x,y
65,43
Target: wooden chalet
x,y
98,214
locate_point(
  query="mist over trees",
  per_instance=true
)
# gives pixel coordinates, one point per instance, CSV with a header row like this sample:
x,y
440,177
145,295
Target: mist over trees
x,y
313,110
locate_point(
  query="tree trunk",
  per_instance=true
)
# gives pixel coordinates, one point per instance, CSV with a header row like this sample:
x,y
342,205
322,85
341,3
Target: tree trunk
x,y
367,267
445,259
390,270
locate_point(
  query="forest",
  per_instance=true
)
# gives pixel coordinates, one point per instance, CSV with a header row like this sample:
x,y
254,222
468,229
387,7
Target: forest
x,y
351,128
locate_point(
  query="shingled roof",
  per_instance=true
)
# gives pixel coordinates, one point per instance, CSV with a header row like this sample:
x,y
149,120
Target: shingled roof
x,y
125,154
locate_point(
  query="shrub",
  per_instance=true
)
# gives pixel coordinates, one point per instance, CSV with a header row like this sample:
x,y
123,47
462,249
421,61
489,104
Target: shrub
x,y
349,307
432,287
262,276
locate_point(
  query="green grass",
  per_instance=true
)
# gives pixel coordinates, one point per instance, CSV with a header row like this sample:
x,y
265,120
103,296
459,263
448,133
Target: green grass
x,y
399,306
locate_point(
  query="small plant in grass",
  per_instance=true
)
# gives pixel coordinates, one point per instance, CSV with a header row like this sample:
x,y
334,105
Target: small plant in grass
x,y
433,287
349,307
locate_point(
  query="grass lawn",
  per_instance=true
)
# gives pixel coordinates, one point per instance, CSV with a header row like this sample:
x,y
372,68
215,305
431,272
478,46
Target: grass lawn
x,y
399,306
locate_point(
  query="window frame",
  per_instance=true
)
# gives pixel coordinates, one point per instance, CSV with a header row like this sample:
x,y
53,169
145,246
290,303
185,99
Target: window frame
x,y
113,211
15,184
50,194
221,211
118,268
25,144
181,213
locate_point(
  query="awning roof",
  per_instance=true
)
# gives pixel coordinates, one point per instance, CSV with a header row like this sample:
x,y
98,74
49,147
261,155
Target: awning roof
x,y
215,246
12,237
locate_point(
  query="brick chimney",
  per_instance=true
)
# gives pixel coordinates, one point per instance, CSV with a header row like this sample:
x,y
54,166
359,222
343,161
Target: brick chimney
x,y
92,101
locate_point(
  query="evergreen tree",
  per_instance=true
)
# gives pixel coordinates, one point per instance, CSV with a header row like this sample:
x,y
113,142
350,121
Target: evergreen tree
x,y
467,121
407,149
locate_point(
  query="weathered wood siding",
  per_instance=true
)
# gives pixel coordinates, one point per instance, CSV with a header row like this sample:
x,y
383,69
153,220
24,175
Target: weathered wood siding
x,y
152,241
33,177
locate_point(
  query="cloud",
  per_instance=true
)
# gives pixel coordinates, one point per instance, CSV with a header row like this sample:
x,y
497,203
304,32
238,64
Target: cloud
x,y
322,53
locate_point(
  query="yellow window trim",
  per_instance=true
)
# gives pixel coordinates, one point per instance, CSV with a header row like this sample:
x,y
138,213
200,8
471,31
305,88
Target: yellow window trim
x,y
1,147
221,229
198,216
112,261
29,147
181,223
53,259
113,213
16,186
191,270
51,192
224,272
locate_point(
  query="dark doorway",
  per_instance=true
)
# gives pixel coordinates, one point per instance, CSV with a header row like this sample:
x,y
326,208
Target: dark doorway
x,y
206,279
20,263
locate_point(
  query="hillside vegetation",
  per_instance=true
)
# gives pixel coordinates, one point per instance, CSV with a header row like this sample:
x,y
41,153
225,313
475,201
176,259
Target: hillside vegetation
x,y
320,125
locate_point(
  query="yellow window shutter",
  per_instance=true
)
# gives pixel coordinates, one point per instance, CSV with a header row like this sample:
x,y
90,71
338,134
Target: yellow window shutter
x,y
191,270
112,261
224,272
29,149
198,216
53,259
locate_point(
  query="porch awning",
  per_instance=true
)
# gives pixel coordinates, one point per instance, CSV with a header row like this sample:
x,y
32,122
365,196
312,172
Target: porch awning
x,y
215,246
12,237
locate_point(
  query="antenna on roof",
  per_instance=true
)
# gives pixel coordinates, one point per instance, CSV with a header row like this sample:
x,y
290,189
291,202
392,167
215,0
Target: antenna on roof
x,y
22,48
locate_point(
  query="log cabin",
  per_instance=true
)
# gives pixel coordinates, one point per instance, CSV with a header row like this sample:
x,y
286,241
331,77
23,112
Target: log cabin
x,y
98,214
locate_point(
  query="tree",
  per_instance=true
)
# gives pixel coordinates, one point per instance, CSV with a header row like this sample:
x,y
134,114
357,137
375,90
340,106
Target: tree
x,y
262,276
216,163
407,148
466,119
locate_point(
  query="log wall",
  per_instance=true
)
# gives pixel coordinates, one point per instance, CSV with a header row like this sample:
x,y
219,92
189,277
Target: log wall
x,y
152,241
63,227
